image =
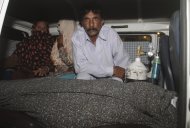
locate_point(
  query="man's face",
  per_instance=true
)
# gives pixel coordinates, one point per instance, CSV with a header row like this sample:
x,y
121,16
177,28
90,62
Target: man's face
x,y
92,24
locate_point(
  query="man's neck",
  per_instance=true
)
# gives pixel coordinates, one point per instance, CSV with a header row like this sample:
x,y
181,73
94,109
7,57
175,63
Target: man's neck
x,y
93,39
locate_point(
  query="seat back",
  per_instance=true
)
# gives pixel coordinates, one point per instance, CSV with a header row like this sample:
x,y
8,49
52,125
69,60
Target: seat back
x,y
174,47
169,54
167,74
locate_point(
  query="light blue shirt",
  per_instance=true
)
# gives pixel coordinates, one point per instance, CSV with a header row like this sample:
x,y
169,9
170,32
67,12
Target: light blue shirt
x,y
98,60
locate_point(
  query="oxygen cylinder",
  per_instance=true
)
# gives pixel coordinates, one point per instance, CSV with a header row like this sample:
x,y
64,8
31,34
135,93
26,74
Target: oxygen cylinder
x,y
156,68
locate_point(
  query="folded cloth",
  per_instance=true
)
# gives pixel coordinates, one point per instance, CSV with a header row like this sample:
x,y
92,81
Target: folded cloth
x,y
67,76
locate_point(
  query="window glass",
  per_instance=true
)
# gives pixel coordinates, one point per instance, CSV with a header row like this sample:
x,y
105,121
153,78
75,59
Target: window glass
x,y
131,42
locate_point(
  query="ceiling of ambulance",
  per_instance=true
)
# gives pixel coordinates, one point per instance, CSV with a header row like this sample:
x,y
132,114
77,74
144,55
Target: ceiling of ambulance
x,y
53,10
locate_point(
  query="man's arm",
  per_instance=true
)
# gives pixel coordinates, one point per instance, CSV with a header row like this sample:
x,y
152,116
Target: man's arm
x,y
120,56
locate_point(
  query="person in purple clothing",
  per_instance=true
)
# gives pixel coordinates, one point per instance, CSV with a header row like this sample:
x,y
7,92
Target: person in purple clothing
x,y
98,51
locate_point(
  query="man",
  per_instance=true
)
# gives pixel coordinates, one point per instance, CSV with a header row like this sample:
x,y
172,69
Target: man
x,y
98,51
32,55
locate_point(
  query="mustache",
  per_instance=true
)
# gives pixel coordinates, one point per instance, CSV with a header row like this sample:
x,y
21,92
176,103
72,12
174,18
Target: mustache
x,y
92,29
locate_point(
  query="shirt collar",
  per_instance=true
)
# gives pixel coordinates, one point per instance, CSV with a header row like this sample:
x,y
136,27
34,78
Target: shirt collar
x,y
101,35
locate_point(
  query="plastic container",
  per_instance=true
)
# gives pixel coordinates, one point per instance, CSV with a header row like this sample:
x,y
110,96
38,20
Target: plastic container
x,y
137,70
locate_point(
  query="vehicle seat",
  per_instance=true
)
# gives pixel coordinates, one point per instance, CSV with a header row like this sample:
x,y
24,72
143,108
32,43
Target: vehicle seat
x,y
174,47
169,54
167,74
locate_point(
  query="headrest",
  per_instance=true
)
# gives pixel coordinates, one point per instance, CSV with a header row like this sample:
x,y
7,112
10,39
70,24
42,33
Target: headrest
x,y
174,31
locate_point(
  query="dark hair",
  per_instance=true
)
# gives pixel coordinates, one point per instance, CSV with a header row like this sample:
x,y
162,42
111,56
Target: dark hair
x,y
94,7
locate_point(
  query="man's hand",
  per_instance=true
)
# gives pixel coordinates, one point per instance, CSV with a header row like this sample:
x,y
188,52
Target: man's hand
x,y
119,72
